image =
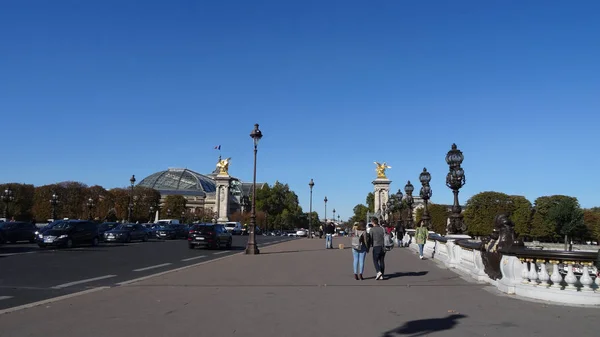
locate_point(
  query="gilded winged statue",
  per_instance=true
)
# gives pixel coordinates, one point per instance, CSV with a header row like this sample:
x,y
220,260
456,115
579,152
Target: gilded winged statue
x,y
381,169
223,165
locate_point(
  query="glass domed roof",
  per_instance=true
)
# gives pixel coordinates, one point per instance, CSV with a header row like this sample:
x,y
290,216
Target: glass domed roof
x,y
179,179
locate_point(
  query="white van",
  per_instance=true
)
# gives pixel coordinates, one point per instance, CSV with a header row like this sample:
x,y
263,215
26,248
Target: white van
x,y
165,222
235,228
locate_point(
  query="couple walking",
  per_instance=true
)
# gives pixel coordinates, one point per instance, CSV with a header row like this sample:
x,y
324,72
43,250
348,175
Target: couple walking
x,y
362,242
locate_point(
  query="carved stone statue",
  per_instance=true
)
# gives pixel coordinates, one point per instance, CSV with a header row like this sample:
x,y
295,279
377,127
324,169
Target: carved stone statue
x,y
223,165
381,169
503,236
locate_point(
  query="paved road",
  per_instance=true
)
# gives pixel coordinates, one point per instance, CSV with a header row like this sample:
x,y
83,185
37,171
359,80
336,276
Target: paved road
x,y
29,274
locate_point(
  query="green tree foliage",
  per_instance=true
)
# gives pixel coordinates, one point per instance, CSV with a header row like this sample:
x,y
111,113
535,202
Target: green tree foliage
x,y
120,197
520,214
73,199
20,207
371,202
567,216
176,203
280,206
542,225
591,218
481,209
144,197
439,217
41,209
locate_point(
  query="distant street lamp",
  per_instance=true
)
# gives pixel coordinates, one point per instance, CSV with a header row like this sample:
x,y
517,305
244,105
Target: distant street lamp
x,y
245,204
338,218
333,214
384,211
455,179
150,213
425,193
409,188
311,184
90,205
182,216
251,246
54,203
7,197
325,200
132,181
168,213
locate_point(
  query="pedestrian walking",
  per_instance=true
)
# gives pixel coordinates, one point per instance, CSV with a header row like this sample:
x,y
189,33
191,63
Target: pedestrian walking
x,y
360,248
421,234
376,240
329,230
399,233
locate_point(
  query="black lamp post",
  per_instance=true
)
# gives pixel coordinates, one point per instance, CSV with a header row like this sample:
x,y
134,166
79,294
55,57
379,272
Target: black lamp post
x,y
245,203
455,179
90,206
150,213
333,214
132,181
425,193
325,200
7,198
182,216
168,213
409,188
384,211
54,203
311,184
251,246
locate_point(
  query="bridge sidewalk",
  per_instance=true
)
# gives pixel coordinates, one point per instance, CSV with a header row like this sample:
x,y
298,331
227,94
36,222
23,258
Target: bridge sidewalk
x,y
300,289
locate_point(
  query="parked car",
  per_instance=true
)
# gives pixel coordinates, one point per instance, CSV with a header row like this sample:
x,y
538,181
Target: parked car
x,y
14,231
105,227
171,232
209,235
234,228
70,233
301,233
126,233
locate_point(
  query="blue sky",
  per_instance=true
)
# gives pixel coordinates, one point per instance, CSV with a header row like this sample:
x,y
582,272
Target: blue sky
x,y
96,91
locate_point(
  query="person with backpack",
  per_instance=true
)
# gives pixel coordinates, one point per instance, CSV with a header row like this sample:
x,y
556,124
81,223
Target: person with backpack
x,y
360,248
329,231
377,241
421,234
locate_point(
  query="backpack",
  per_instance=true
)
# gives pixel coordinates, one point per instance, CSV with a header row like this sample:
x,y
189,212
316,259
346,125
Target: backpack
x,y
388,243
358,241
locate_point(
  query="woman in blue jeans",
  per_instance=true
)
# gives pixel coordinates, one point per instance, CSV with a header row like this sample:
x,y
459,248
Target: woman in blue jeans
x,y
360,249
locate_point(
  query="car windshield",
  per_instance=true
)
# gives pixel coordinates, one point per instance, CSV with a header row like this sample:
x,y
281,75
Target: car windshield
x,y
173,226
125,227
6,225
63,226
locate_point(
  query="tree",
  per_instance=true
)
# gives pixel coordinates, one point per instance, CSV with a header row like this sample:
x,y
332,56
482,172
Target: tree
x,y
439,217
567,216
360,213
73,199
591,218
144,197
481,209
42,209
542,226
522,211
176,203
20,207
120,203
371,202
280,206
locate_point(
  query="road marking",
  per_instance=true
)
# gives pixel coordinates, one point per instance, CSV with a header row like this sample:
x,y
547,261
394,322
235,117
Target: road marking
x,y
153,267
65,285
51,300
13,254
219,253
193,258
5,297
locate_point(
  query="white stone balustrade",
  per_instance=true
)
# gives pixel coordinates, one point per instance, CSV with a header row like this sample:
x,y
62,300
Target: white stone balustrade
x,y
561,280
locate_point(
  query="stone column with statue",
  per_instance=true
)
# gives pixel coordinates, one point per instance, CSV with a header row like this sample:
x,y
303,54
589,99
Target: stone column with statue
x,y
223,181
382,189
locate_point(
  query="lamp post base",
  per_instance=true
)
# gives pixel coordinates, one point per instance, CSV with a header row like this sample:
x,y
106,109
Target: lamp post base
x,y
251,249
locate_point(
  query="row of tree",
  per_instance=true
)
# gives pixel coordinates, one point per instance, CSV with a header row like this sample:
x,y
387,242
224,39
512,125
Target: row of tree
x,y
549,218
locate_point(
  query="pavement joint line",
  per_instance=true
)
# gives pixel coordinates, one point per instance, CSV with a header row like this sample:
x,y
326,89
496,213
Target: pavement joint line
x,y
51,300
5,297
193,258
65,285
153,267
219,253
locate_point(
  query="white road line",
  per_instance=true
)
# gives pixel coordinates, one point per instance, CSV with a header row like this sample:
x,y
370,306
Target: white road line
x,y
193,258
219,253
153,267
13,254
5,297
60,286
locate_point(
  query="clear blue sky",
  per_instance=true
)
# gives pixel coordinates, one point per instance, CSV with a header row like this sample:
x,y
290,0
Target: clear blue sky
x,y
95,91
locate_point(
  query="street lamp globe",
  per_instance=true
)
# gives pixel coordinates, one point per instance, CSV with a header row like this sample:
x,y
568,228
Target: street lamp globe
x,y
409,188
454,157
311,184
132,180
256,134
425,177
399,195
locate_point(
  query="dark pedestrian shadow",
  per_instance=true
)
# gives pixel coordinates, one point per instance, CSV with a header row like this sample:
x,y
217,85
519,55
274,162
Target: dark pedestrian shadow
x,y
300,251
424,327
410,273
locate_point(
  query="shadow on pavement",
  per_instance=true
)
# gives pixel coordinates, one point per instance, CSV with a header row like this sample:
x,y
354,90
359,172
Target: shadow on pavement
x,y
300,251
424,327
410,273
17,248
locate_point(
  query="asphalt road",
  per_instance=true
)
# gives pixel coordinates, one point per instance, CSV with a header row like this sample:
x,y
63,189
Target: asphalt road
x,y
29,274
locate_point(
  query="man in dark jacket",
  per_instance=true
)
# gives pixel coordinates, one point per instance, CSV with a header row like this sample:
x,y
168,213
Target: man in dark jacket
x,y
399,233
329,230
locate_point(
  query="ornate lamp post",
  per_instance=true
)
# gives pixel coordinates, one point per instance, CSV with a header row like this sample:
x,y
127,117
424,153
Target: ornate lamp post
x,y
132,181
150,213
455,179
7,198
325,200
311,184
409,188
425,193
54,203
182,216
245,203
333,215
338,218
251,246
90,206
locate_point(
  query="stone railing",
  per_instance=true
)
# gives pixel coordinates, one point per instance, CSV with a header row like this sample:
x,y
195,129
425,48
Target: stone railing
x,y
555,276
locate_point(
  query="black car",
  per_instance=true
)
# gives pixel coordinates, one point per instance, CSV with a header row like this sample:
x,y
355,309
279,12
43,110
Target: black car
x,y
105,227
14,231
209,235
126,233
70,233
171,232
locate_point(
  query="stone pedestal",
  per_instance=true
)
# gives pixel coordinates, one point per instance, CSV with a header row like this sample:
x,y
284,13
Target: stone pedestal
x,y
381,193
222,197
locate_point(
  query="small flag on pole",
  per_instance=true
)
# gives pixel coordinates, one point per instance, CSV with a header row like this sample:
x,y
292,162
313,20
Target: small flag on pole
x,y
218,147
